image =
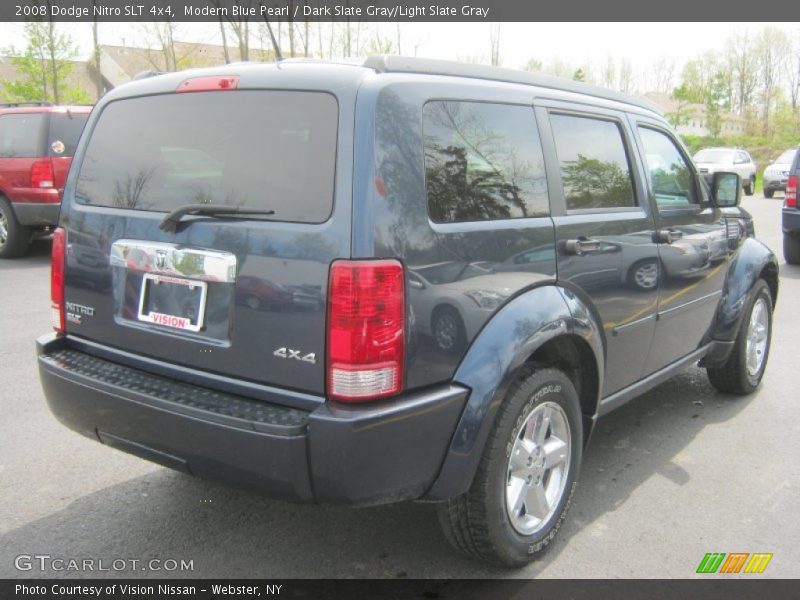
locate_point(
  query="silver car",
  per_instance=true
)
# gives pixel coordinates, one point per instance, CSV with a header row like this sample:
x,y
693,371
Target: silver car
x,y
729,160
777,172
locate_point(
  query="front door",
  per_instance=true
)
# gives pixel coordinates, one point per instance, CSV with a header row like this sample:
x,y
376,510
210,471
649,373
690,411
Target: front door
x,y
692,248
604,231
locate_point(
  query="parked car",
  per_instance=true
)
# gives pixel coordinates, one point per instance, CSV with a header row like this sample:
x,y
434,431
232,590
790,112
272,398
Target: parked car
x,y
791,215
37,141
363,180
777,173
451,300
732,160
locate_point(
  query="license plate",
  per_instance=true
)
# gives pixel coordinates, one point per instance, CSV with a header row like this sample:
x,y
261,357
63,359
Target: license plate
x,y
173,302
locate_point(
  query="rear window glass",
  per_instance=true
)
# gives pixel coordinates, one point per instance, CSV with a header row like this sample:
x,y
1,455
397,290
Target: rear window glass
x,y
270,150
65,131
21,135
594,163
483,161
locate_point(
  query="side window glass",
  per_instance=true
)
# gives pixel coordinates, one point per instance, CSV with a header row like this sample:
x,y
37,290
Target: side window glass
x,y
670,176
594,165
21,135
483,161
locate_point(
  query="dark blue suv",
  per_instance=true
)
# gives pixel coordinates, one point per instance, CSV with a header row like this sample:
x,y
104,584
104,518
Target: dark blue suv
x,y
391,280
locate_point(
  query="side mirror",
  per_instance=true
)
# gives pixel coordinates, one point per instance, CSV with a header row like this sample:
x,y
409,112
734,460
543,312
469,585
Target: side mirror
x,y
726,189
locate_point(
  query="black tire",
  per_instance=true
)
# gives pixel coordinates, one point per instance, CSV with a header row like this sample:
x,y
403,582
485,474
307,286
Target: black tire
x,y
791,248
453,339
733,377
768,193
749,187
636,282
477,523
14,238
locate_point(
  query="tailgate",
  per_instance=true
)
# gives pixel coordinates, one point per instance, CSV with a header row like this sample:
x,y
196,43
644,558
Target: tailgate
x,y
242,297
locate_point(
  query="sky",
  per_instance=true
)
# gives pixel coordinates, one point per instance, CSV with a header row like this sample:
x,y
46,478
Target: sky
x,y
574,43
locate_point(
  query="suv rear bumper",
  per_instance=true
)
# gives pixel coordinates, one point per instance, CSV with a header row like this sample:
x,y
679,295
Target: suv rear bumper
x,y
373,453
790,221
35,214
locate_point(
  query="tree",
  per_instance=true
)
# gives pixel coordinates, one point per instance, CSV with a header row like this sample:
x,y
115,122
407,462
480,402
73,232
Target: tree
x,y
771,47
494,40
715,101
741,59
579,75
534,64
96,55
625,79
683,112
162,34
694,78
662,75
43,67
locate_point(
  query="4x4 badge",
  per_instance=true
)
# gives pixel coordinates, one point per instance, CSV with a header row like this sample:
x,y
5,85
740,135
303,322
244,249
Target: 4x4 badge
x,y
284,352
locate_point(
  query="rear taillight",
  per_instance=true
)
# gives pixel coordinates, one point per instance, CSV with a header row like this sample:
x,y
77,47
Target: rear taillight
x,y
42,174
57,312
791,192
366,329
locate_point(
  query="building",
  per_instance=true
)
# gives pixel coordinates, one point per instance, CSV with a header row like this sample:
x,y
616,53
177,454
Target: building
x,y
693,119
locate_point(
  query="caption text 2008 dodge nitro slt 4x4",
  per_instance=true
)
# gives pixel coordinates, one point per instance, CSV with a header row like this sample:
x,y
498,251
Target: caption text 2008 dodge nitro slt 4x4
x,y
390,280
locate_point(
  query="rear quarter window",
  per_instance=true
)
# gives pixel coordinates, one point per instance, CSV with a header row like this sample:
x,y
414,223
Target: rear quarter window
x,y
271,150
65,131
483,161
22,135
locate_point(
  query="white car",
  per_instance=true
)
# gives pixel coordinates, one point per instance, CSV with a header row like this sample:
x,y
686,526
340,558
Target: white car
x,y
777,173
728,160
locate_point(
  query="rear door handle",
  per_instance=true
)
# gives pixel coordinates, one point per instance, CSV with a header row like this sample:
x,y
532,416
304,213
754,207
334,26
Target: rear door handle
x,y
580,246
667,236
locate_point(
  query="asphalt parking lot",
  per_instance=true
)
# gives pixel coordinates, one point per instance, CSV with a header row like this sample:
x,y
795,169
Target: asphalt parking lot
x,y
676,473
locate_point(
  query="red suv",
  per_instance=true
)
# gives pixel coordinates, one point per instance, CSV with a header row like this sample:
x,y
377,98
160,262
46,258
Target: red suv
x,y
37,142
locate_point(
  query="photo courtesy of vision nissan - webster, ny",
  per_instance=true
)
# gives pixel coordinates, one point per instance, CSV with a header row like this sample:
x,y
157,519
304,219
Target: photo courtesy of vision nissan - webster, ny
x,y
524,295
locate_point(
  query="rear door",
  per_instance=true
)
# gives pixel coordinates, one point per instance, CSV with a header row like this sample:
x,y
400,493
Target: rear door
x,y
692,246
239,297
605,249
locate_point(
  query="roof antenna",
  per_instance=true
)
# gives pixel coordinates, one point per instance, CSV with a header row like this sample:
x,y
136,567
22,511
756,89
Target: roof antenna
x,y
278,54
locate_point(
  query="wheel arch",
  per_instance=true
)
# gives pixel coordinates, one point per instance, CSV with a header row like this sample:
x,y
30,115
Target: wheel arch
x,y
752,261
548,324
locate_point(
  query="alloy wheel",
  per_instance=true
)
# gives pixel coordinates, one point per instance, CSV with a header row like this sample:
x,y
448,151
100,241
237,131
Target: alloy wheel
x,y
538,468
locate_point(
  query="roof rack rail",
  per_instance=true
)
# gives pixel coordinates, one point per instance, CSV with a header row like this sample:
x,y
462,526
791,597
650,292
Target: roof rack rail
x,y
384,63
30,103
147,74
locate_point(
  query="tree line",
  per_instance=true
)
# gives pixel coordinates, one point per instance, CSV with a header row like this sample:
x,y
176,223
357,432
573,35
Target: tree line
x,y
754,74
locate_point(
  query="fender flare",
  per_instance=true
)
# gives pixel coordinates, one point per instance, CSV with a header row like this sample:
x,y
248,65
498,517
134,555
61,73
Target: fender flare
x,y
491,364
745,269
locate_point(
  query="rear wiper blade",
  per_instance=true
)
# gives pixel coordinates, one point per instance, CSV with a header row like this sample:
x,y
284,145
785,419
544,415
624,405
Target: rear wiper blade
x,y
170,222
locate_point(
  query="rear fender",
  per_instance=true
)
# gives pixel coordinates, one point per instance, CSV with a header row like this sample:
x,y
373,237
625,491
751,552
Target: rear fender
x,y
492,363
